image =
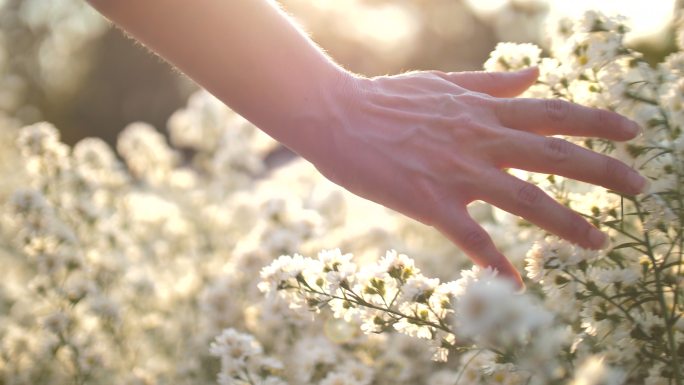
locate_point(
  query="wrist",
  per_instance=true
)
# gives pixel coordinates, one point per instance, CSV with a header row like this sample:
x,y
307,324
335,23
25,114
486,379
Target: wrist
x,y
316,122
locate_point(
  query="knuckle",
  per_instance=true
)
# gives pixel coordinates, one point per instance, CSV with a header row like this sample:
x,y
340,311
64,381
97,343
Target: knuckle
x,y
462,121
557,149
475,99
614,169
556,110
529,195
439,75
505,109
445,103
467,130
475,239
577,227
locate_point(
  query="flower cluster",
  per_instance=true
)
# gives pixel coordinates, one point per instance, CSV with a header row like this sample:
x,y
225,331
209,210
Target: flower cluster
x,y
124,266
242,360
625,302
479,311
391,294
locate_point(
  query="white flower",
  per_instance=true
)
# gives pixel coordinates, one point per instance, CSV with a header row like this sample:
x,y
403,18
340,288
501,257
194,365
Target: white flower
x,y
469,277
607,276
358,371
595,372
655,375
398,266
234,349
339,379
419,288
346,310
201,124
284,271
57,322
658,214
553,253
310,355
273,381
96,162
490,311
416,326
146,153
473,364
378,286
41,140
596,318
593,21
44,154
373,321
513,56
338,268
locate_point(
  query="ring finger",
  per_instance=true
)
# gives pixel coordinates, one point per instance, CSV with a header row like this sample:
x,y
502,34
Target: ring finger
x,y
530,202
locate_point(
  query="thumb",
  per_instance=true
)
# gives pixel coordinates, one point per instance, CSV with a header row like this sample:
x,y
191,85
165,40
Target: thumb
x,y
497,84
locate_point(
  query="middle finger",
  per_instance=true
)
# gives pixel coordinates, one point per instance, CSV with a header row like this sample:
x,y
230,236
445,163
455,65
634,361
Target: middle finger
x,y
559,117
551,155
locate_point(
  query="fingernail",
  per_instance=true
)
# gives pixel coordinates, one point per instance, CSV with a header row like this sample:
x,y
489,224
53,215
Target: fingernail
x,y
520,288
632,128
506,270
598,239
638,182
518,285
647,188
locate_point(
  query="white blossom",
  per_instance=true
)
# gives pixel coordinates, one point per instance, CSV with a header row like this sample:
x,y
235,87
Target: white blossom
x,y
595,372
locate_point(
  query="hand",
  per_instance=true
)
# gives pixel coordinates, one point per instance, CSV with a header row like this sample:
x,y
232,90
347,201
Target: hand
x,y
427,144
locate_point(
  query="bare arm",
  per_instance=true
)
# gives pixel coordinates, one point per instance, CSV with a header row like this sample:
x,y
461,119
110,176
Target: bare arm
x,y
425,144
245,52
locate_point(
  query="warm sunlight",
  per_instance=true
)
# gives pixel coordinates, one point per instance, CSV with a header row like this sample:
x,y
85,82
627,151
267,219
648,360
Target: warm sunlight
x,y
342,192
647,19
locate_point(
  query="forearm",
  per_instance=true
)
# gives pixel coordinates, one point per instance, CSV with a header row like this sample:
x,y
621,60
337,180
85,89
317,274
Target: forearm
x,y
245,52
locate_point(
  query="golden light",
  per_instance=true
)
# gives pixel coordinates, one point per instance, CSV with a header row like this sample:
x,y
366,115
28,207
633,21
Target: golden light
x,y
648,20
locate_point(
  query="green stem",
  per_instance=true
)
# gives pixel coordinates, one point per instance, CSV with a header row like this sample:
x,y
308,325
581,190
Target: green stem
x,y
601,294
360,301
663,304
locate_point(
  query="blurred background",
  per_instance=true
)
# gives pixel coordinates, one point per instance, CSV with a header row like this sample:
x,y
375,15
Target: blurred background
x,y
62,62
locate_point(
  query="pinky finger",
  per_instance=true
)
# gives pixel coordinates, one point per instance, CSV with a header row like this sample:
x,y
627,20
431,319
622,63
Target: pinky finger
x,y
461,229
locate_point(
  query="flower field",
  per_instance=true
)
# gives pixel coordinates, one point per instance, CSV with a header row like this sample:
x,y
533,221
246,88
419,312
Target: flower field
x,y
192,260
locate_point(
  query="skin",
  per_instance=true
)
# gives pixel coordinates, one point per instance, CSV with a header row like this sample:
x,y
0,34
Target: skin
x,y
424,143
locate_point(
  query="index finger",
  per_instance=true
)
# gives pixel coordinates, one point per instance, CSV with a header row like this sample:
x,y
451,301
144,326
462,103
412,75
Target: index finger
x,y
559,117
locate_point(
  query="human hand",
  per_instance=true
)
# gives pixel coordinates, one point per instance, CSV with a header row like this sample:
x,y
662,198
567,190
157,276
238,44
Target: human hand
x,y
427,144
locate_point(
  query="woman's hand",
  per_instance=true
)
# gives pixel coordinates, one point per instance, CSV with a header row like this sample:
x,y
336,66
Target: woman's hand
x,y
425,144
428,143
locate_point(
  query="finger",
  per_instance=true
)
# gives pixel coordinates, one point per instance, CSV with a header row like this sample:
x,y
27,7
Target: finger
x,y
559,117
499,84
556,156
530,202
460,228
